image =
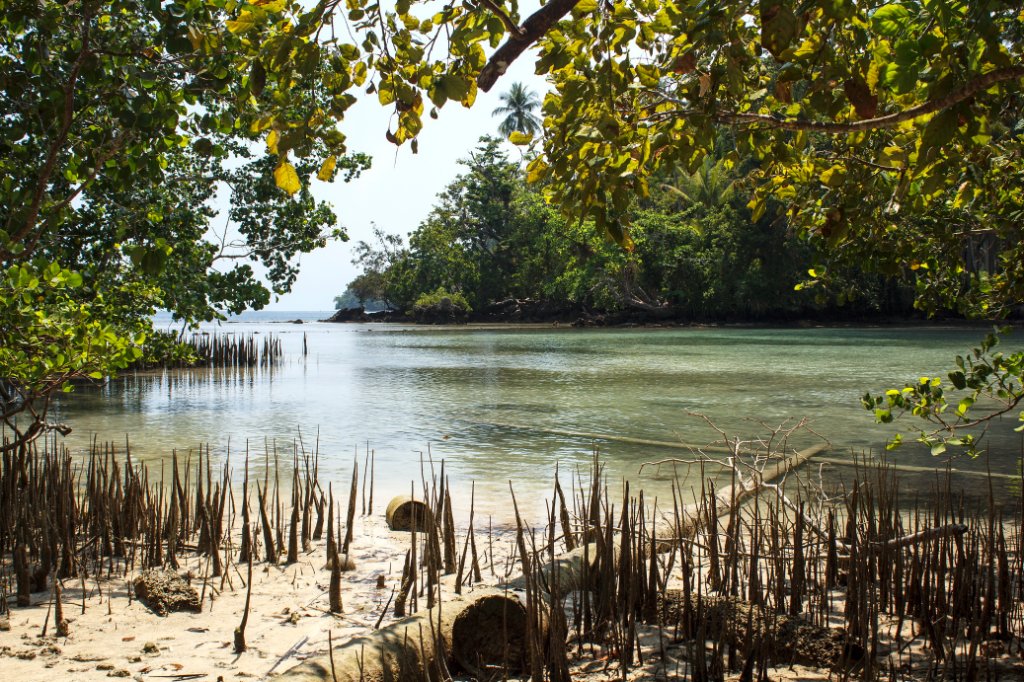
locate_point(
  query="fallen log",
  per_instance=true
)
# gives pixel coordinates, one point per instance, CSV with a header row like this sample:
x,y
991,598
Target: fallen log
x,y
420,646
728,499
490,636
567,572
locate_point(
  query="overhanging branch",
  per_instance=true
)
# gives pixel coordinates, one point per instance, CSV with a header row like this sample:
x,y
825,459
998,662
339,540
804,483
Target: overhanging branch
x,y
499,12
972,88
535,26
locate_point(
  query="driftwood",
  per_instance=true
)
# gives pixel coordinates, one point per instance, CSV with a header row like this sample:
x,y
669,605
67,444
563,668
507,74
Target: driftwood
x,y
729,498
568,572
927,535
781,639
420,646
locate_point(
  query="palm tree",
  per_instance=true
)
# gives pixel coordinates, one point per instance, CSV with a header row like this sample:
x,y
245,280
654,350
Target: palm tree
x,y
518,111
710,187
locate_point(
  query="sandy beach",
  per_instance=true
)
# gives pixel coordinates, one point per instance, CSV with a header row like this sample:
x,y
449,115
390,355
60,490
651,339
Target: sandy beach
x,y
289,620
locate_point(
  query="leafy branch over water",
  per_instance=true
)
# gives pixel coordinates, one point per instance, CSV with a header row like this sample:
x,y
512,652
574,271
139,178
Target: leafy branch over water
x,y
985,377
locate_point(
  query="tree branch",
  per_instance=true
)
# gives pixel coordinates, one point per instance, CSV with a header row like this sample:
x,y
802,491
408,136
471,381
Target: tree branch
x,y
981,83
50,163
116,145
535,26
499,12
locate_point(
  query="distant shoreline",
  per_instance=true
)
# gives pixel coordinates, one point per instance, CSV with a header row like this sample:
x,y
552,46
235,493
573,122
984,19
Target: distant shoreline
x,y
800,324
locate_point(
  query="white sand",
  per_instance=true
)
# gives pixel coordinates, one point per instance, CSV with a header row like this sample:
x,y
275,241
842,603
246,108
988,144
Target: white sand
x,y
288,621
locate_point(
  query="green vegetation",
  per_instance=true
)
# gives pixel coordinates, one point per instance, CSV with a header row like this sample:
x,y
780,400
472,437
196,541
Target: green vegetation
x,y
518,107
888,134
122,124
441,305
697,254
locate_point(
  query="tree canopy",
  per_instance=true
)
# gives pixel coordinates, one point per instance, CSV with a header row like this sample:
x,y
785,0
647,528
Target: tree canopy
x,y
698,255
121,126
870,121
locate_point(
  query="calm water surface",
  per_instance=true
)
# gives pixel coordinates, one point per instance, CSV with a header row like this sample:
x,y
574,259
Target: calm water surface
x,y
507,404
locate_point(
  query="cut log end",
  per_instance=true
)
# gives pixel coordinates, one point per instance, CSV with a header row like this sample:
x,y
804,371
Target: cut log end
x,y
403,510
489,637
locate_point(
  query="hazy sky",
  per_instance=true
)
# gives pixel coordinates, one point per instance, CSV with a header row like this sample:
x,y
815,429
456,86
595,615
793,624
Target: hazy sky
x,y
400,188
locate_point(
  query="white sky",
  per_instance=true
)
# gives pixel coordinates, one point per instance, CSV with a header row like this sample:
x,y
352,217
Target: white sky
x,y
400,188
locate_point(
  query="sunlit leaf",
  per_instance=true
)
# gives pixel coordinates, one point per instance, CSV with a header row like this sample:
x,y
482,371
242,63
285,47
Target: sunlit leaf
x,y
246,21
889,20
326,171
287,178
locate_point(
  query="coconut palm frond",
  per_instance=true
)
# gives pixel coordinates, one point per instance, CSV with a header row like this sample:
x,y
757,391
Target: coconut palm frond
x,y
518,107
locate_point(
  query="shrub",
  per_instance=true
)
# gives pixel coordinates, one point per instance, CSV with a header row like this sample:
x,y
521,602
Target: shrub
x,y
440,306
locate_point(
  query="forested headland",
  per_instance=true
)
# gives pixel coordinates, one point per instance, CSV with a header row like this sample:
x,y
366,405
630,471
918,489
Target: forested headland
x,y
497,251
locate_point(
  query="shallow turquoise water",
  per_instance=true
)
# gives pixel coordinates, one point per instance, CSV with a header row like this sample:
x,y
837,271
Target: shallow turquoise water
x,y
496,404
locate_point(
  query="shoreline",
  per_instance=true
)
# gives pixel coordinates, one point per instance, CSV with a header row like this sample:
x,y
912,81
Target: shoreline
x,y
395,326
537,313
111,634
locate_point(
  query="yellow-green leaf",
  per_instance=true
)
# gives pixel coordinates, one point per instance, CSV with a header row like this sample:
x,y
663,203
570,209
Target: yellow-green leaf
x,y
286,178
261,124
272,139
520,138
535,171
246,21
834,176
271,5
327,169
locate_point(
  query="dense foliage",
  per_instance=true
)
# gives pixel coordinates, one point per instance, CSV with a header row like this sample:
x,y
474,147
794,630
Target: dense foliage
x,y
887,133
121,130
698,253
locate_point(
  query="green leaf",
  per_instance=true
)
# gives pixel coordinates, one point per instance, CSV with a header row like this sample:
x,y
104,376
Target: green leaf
x,y
385,93
834,176
939,131
271,5
779,26
889,20
257,78
584,7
